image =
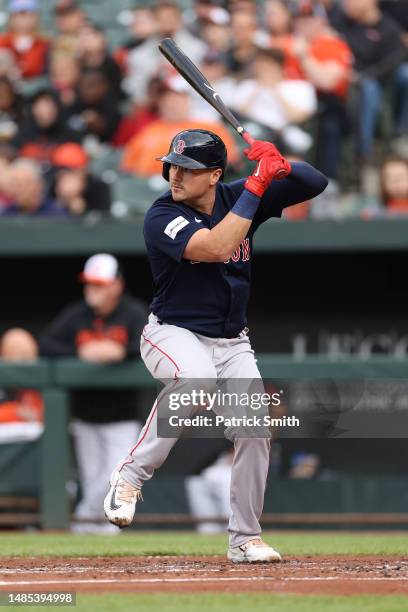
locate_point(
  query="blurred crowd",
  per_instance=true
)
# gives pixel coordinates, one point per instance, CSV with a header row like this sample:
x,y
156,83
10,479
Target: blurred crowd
x,y
326,80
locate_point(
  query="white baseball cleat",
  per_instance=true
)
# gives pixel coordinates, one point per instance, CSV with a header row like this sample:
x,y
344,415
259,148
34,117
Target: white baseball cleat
x,y
120,502
254,551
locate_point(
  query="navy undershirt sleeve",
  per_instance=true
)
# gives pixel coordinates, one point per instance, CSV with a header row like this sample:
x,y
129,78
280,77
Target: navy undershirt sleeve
x,y
303,183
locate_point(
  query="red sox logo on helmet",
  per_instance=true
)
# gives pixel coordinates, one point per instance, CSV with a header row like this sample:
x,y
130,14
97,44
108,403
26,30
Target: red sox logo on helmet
x,y
180,146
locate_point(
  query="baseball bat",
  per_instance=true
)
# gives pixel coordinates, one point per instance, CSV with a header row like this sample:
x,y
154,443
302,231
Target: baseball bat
x,y
189,71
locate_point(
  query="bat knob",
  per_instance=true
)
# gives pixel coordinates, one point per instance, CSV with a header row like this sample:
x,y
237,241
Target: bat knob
x,y
281,174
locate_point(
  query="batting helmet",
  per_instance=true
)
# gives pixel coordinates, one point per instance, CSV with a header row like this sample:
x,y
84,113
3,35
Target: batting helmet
x,y
196,150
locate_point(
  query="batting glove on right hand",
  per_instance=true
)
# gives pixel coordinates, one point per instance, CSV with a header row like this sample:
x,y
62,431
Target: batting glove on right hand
x,y
267,169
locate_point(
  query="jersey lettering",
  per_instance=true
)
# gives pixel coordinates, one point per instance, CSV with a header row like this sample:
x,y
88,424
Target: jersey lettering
x,y
246,251
243,252
236,255
172,229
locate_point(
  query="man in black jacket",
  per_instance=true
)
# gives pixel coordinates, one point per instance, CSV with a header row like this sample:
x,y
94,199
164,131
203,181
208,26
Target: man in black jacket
x,y
104,327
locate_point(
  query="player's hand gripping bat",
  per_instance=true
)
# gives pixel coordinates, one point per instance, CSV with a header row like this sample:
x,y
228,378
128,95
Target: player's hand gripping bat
x,y
197,80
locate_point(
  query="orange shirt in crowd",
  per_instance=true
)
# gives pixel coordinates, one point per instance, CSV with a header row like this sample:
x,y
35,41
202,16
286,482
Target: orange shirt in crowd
x,y
32,60
291,67
324,48
330,48
398,206
26,407
154,140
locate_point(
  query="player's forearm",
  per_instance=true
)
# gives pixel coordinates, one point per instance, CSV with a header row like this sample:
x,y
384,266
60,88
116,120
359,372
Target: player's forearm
x,y
218,244
226,237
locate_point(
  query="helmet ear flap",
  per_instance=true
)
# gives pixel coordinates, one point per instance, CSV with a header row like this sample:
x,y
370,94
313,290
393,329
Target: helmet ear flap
x,y
166,171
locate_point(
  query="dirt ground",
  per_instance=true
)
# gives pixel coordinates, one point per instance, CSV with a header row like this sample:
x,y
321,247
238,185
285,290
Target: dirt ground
x,y
341,575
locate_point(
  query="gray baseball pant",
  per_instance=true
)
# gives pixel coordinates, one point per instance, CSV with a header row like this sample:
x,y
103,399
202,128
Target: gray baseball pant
x,y
173,353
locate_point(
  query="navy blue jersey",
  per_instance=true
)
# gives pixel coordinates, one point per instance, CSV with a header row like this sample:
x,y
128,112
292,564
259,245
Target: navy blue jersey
x,y
211,298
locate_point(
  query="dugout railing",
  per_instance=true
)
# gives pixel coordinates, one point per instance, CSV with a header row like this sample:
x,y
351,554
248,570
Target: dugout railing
x,y
56,377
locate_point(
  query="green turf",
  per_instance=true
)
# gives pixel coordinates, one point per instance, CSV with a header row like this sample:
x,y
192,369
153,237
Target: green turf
x,y
223,602
188,543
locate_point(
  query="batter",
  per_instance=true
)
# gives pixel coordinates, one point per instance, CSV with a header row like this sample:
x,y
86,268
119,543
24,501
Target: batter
x,y
199,242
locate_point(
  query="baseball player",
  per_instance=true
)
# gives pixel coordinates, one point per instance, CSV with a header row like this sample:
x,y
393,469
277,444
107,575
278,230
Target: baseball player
x,y
199,242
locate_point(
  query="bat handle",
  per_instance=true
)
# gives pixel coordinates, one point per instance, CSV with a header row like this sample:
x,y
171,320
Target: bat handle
x,y
247,137
249,140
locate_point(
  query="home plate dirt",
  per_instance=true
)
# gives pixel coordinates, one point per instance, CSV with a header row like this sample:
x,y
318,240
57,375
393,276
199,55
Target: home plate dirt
x,y
342,575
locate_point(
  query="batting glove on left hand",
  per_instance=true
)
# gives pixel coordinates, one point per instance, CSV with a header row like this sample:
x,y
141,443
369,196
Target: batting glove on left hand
x,y
260,149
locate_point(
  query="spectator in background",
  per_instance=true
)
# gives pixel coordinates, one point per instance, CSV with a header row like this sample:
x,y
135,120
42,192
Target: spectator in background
x,y
304,465
141,27
64,76
216,34
280,35
104,327
23,39
380,60
210,21
202,11
141,153
398,11
92,52
74,188
7,156
69,19
11,110
140,115
21,410
28,194
394,185
8,65
325,60
243,49
244,6
95,109
278,19
145,61
43,128
276,102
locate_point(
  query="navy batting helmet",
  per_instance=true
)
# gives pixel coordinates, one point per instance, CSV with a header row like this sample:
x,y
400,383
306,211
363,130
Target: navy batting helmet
x,y
196,150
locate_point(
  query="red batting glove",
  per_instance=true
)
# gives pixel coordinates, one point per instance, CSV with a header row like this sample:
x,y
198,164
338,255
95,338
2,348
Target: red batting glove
x,y
260,149
267,169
